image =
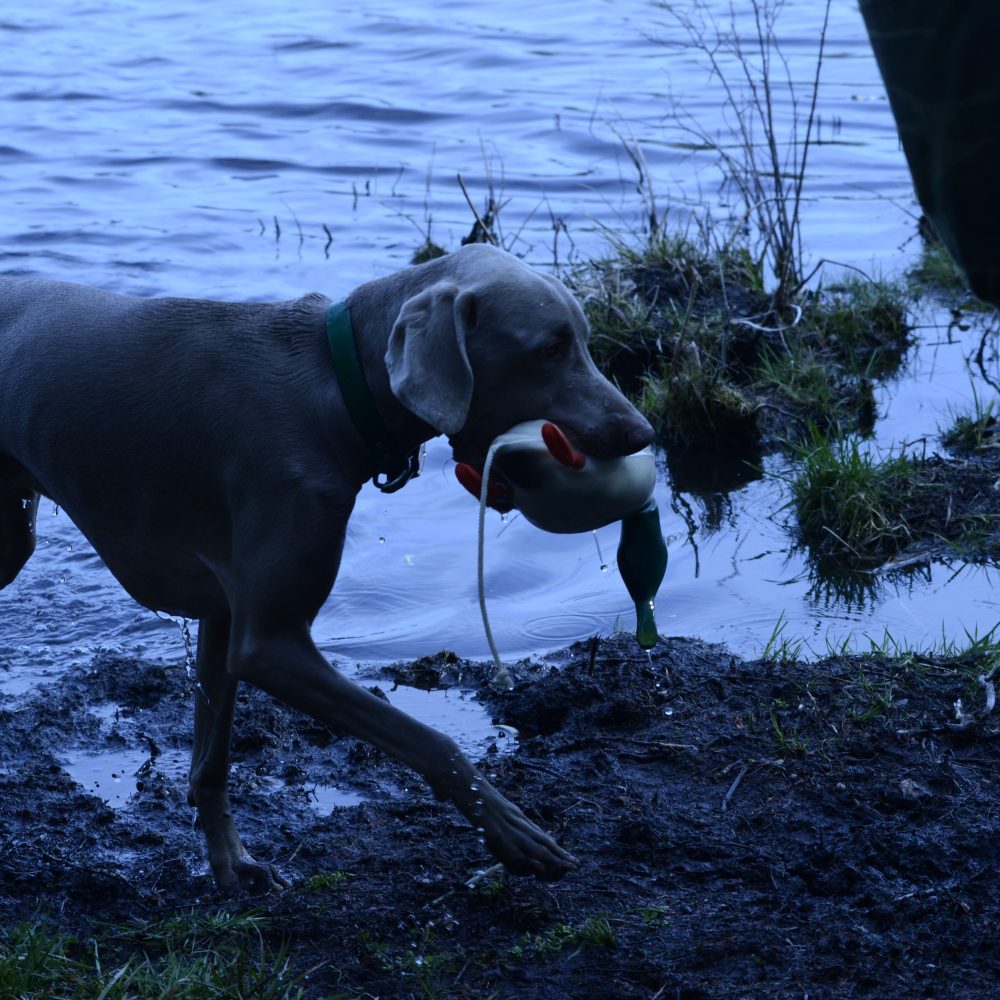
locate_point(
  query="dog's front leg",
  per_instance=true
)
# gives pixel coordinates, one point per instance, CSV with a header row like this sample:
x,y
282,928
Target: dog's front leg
x,y
208,792
287,665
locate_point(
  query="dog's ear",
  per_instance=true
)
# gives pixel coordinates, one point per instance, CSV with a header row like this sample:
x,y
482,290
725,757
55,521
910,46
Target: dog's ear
x,y
428,367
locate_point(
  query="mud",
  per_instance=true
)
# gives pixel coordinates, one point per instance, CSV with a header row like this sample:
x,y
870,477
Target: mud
x,y
744,829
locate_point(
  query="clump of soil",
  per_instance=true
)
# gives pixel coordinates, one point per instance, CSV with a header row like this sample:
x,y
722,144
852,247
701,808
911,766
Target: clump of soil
x,y
743,829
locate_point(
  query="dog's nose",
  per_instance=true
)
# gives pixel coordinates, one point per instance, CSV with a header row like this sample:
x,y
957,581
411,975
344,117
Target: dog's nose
x,y
635,432
624,434
617,435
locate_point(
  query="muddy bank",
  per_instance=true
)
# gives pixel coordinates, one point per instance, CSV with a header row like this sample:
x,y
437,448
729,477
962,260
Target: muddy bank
x,y
744,829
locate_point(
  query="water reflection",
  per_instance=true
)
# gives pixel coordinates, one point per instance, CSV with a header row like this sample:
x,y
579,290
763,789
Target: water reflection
x,y
710,474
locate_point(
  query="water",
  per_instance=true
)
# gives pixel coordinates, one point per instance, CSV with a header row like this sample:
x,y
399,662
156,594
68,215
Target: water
x,y
113,774
260,152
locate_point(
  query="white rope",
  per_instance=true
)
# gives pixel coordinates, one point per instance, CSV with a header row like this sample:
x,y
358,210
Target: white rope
x,y
501,675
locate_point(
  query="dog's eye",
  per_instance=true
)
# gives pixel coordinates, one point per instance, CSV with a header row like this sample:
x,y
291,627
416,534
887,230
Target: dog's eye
x,y
556,345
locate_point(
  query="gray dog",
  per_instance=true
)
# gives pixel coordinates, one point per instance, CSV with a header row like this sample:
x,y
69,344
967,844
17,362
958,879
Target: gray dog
x,y
211,456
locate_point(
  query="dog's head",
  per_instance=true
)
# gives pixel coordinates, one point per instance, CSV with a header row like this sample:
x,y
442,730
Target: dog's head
x,y
493,343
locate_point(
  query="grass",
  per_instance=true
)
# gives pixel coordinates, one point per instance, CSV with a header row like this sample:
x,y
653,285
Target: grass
x,y
852,505
327,882
187,956
976,431
427,972
857,510
878,685
686,330
595,932
878,695
862,322
779,648
807,387
692,403
789,740
712,334
937,272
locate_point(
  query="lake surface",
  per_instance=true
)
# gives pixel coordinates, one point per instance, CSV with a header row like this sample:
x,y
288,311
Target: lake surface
x,y
253,151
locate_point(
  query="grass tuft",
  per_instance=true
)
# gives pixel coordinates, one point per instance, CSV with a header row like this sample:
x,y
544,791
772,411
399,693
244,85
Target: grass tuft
x,y
595,932
191,956
851,505
685,328
976,431
937,272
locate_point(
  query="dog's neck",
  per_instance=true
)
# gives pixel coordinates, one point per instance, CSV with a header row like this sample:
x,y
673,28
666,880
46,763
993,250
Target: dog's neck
x,y
392,434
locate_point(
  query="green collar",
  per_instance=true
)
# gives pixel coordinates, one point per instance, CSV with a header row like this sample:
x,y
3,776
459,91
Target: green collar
x,y
398,468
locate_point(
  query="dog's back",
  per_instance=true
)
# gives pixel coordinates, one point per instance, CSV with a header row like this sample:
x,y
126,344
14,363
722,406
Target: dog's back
x,y
139,417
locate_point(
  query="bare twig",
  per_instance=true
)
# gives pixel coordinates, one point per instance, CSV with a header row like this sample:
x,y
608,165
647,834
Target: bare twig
x,y
734,786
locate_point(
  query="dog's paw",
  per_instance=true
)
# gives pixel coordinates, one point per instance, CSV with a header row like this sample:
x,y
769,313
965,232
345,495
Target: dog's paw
x,y
260,879
535,854
251,877
521,846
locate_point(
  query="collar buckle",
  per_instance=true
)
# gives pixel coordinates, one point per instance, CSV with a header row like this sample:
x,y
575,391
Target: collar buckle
x,y
413,467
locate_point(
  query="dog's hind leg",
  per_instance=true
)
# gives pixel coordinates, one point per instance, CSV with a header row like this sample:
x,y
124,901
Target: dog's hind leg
x,y
18,508
215,700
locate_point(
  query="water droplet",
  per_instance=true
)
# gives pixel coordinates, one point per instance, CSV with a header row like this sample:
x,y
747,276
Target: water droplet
x,y
55,509
474,787
604,567
381,540
668,711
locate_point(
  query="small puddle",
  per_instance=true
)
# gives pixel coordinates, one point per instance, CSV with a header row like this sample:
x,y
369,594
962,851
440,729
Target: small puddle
x,y
456,713
321,798
326,798
113,775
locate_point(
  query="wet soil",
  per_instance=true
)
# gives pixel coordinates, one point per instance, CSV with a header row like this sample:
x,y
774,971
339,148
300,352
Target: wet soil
x,y
744,829
954,508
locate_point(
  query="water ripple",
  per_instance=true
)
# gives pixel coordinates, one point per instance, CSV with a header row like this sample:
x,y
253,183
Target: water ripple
x,y
327,110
